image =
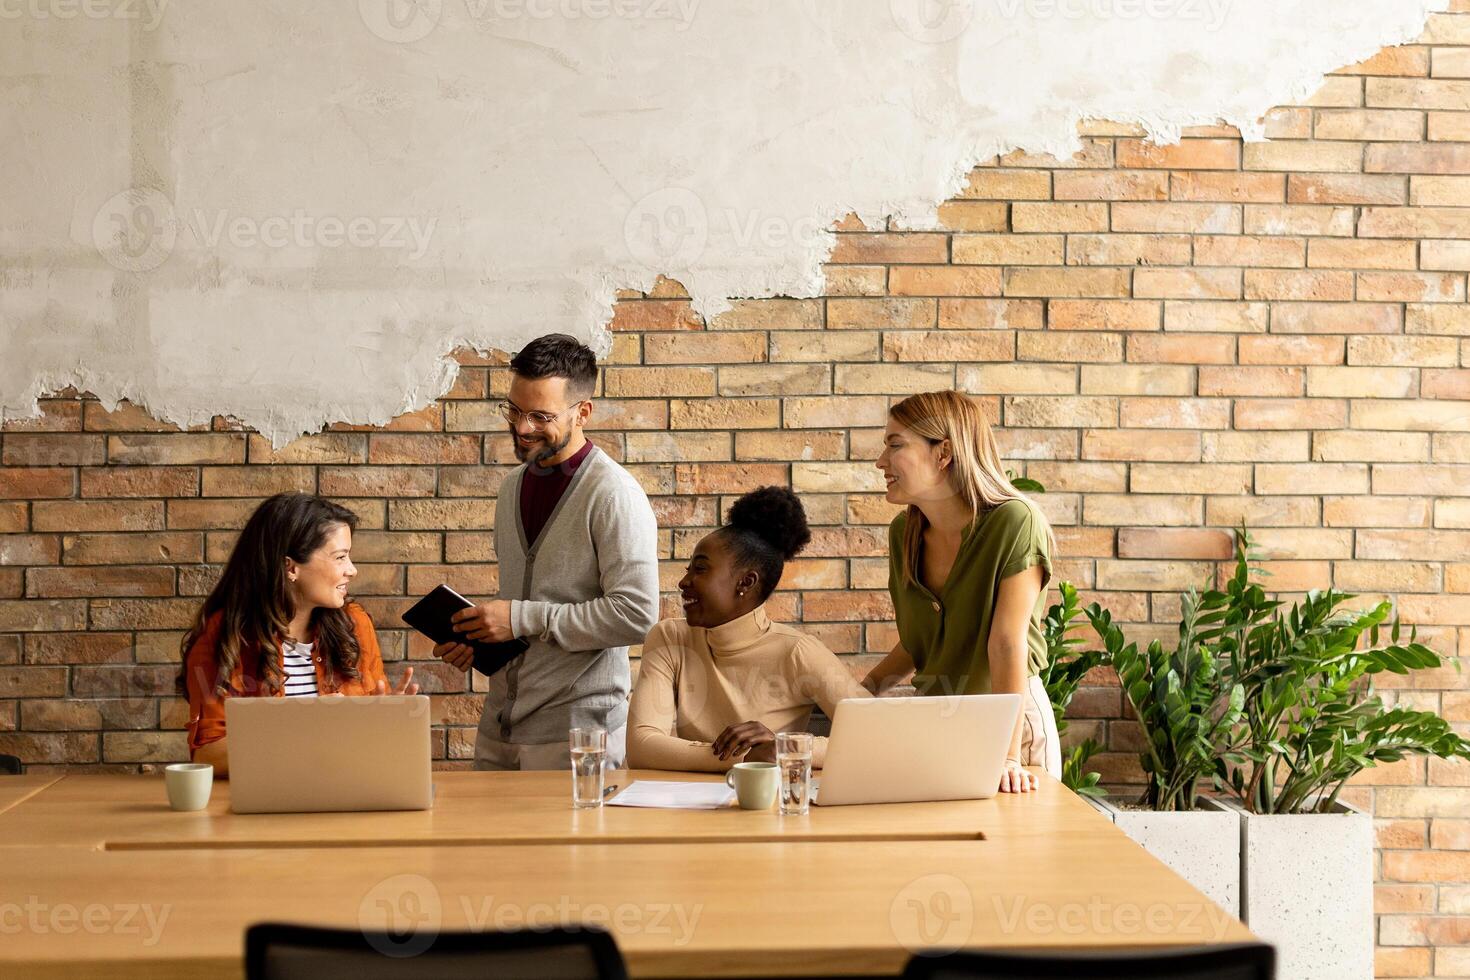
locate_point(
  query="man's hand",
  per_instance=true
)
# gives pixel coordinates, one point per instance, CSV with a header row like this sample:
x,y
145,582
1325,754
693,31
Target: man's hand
x,y
455,654
754,740
489,623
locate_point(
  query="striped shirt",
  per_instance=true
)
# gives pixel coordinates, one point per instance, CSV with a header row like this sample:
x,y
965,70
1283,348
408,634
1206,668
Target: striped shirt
x,y
300,669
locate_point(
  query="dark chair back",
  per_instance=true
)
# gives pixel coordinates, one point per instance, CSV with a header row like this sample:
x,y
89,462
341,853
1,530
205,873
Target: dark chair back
x,y
9,765
274,951
1242,961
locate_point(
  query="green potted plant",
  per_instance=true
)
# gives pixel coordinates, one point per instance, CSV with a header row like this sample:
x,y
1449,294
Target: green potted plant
x,y
1311,721
1188,711
1274,707
1065,668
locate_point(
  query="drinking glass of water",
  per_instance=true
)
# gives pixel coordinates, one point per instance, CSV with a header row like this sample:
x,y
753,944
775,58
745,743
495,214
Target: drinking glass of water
x,y
794,756
589,753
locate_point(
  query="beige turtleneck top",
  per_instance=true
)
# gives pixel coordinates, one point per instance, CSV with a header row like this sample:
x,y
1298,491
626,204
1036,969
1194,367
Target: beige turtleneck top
x,y
694,683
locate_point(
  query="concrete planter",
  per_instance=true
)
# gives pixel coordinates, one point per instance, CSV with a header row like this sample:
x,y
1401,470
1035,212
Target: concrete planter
x,y
1202,846
1307,888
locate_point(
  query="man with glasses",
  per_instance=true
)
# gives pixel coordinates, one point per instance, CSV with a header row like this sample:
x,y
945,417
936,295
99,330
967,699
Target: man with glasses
x,y
577,544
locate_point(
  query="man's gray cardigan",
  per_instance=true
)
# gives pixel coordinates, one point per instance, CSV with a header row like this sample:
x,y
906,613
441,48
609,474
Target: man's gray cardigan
x,y
582,592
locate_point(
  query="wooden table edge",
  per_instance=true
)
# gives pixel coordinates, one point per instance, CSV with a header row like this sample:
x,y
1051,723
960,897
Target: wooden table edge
x,y
551,840
877,961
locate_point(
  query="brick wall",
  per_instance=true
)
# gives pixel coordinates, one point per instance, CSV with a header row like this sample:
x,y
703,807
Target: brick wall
x,y
1173,339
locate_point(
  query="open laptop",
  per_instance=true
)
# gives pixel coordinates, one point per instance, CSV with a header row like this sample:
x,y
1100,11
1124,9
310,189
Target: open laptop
x,y
909,750
302,755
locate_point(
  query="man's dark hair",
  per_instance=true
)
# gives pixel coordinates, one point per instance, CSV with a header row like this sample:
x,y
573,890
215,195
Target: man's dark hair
x,y
558,355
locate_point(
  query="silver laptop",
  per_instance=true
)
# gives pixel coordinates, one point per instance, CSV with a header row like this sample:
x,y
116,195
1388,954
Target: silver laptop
x,y
302,755
909,750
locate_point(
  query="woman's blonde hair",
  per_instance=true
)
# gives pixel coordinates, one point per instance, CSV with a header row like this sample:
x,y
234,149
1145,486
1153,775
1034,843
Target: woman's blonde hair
x,y
976,472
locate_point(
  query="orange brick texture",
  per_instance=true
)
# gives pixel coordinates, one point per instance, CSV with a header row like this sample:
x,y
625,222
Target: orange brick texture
x,y
1172,339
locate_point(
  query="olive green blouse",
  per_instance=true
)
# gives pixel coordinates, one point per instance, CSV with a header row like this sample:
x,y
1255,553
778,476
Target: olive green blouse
x,y
947,634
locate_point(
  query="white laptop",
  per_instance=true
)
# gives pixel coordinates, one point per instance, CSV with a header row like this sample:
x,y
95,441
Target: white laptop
x,y
302,755
909,750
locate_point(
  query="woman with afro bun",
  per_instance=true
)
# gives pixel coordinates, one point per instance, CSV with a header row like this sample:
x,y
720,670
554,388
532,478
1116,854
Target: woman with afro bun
x,y
715,687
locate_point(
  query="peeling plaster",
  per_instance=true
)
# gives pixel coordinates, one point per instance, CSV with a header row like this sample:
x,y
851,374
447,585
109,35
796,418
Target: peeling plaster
x,y
290,212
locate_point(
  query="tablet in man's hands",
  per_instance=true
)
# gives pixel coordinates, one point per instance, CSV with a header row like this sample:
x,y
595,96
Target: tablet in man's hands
x,y
433,616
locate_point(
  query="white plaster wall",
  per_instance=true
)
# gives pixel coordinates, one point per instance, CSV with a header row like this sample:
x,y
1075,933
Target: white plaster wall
x,y
290,211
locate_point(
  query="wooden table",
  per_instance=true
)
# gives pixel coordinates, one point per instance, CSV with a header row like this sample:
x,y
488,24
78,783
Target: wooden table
x,y
145,894
131,812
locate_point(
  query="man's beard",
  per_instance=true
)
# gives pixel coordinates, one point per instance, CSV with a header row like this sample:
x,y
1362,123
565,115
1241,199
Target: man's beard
x,y
546,451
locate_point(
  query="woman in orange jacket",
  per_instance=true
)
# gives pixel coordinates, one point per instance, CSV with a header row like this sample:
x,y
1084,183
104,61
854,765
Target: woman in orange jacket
x,y
280,623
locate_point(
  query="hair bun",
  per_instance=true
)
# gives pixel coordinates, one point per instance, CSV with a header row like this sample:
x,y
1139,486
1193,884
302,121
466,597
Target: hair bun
x,y
775,515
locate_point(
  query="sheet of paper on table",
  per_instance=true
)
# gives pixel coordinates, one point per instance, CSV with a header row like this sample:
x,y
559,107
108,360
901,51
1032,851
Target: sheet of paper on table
x,y
672,795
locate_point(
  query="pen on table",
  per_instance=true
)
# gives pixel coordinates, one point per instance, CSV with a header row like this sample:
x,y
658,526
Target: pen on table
x,y
608,791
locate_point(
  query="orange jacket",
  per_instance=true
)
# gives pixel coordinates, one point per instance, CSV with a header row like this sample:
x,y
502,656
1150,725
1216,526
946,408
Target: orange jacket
x,y
207,710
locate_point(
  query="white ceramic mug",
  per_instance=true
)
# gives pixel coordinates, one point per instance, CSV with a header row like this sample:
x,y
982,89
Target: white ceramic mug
x,y
188,784
755,784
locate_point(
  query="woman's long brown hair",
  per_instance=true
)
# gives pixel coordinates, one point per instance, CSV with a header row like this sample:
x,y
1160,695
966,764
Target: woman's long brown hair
x,y
253,598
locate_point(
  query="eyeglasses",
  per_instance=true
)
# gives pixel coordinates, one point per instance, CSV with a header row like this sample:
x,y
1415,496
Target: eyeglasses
x,y
538,420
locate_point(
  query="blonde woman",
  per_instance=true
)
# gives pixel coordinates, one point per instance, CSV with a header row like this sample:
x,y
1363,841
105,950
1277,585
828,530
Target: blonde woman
x,y
969,561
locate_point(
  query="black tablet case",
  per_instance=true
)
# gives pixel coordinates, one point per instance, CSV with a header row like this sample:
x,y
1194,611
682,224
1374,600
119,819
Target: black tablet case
x,y
431,617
